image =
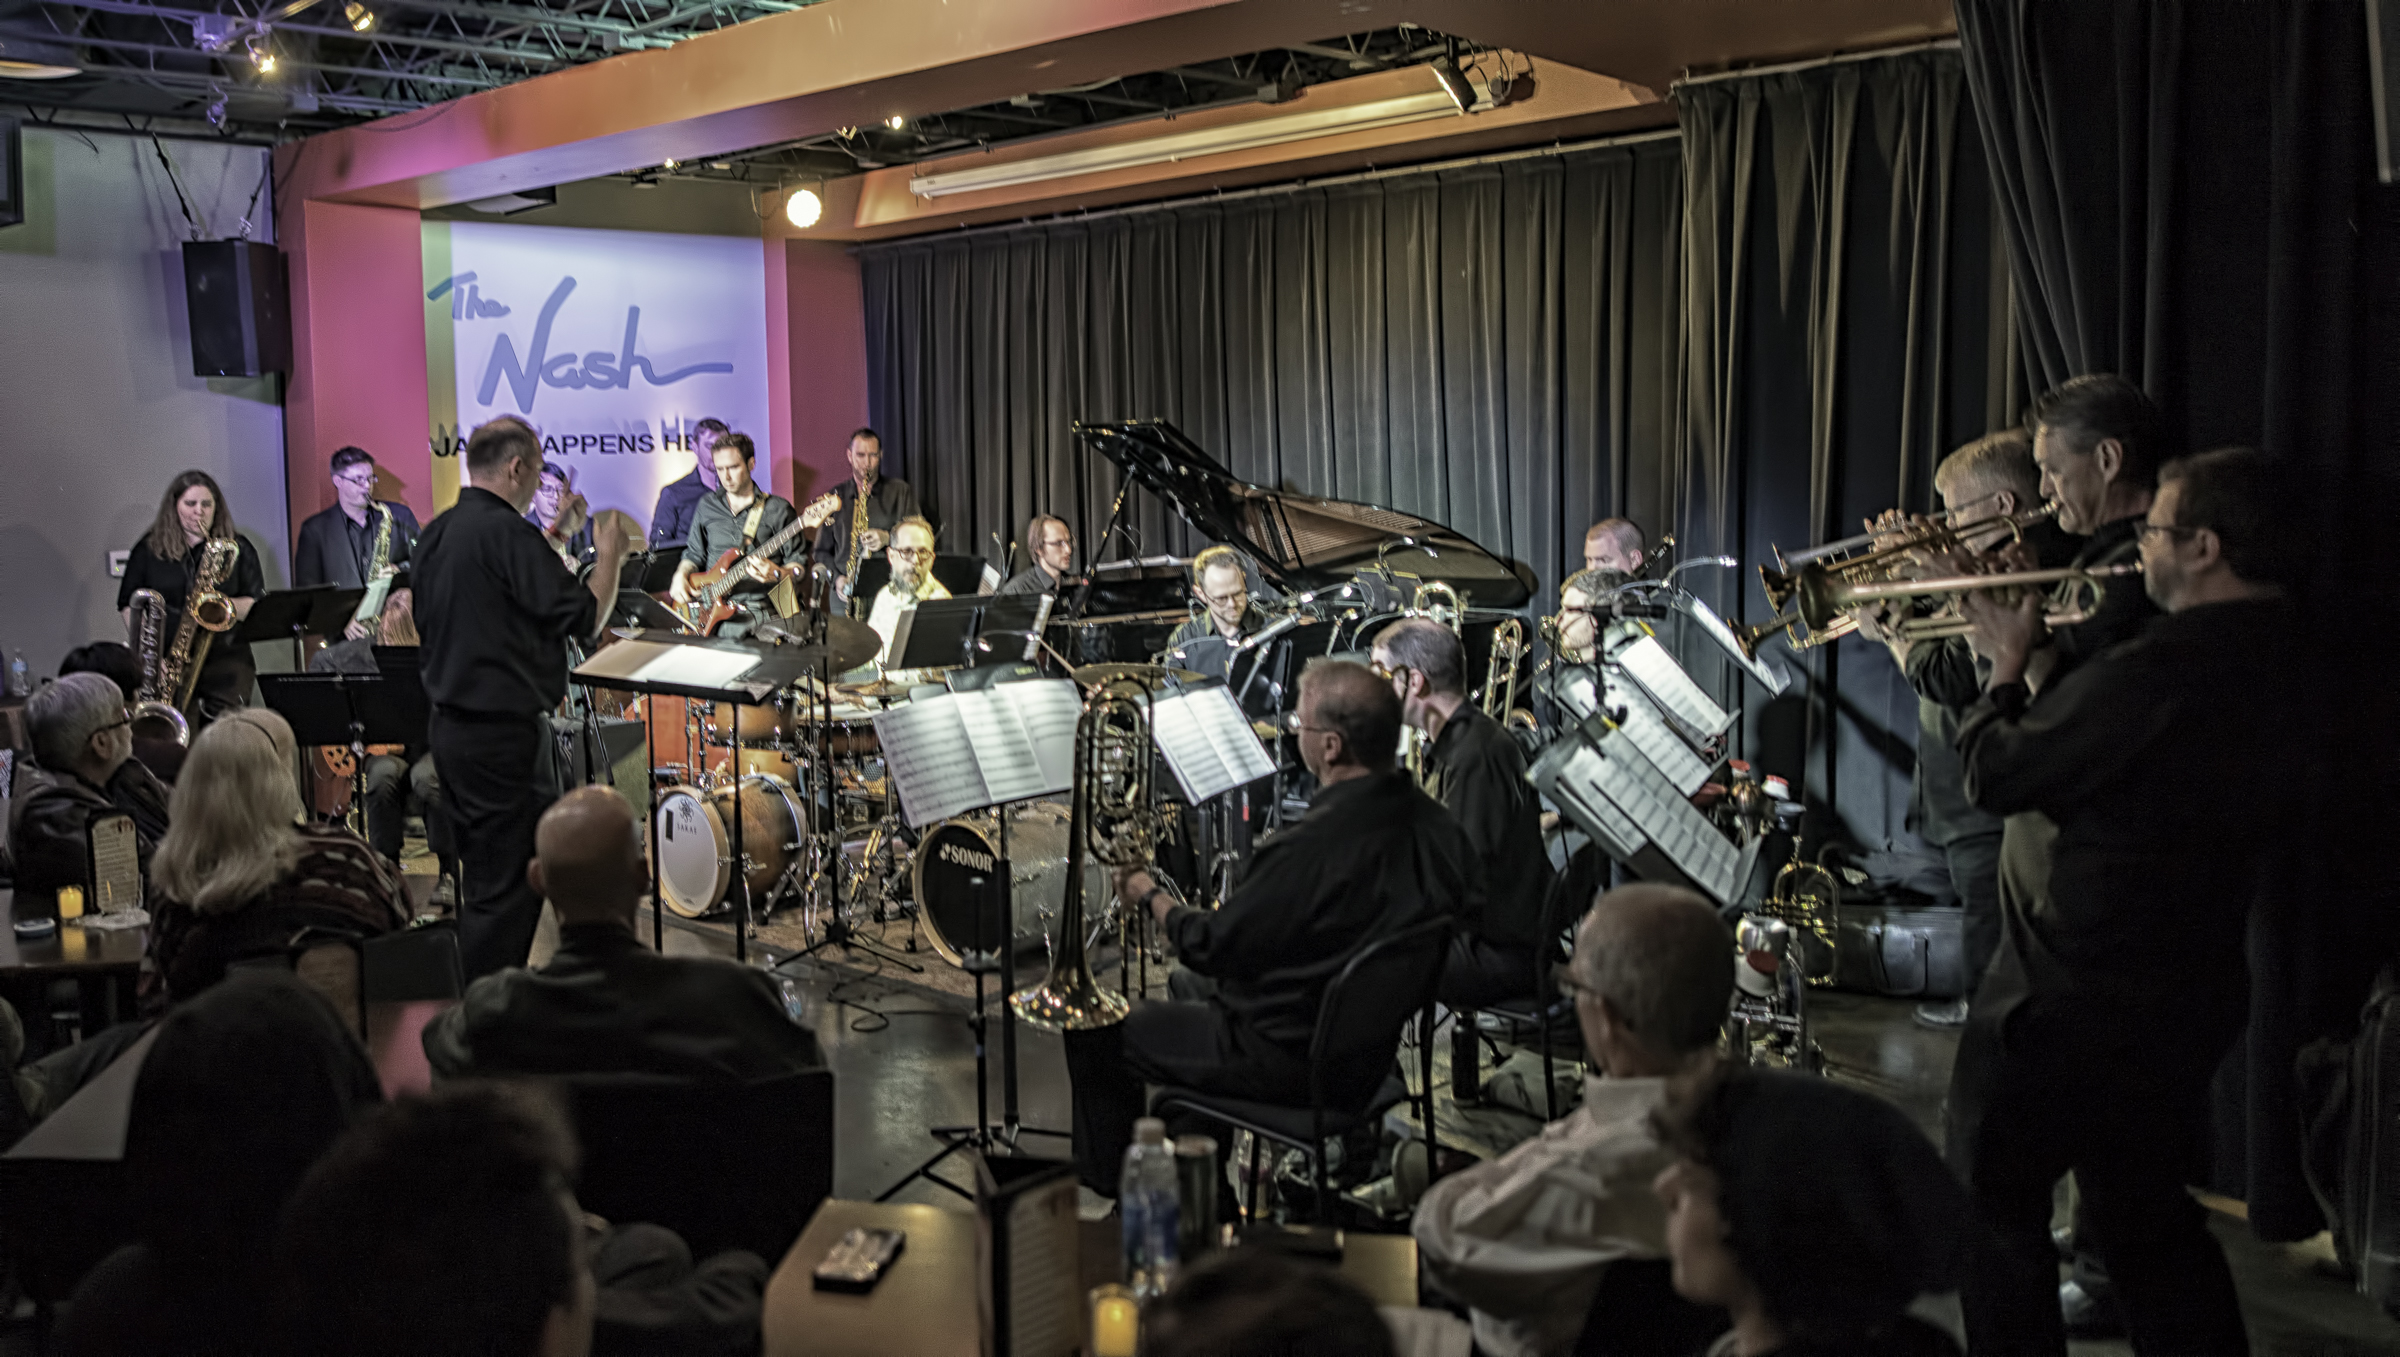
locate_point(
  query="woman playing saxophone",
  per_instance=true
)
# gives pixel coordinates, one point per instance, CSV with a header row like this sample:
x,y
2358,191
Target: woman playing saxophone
x,y
170,560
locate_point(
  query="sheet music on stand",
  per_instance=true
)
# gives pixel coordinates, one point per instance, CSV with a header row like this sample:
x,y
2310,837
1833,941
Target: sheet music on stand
x,y
1682,701
963,751
1659,738
1208,743
1604,782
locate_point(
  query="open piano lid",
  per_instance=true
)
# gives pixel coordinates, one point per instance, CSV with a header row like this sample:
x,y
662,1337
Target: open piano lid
x,y
1300,542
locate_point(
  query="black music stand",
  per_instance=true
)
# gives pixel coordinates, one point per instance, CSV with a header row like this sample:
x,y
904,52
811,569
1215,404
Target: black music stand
x,y
648,662
290,614
942,633
984,1136
352,711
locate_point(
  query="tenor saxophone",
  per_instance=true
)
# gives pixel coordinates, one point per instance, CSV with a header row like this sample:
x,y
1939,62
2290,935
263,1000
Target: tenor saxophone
x,y
149,635
857,549
205,613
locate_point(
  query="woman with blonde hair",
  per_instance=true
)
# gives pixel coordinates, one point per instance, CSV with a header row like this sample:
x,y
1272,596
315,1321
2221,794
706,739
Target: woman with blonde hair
x,y
239,876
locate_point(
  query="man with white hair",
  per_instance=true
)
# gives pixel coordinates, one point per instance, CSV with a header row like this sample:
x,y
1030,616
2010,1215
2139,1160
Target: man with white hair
x,y
83,740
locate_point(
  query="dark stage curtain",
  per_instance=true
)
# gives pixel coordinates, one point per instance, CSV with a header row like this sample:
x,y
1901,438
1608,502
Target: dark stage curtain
x,y
2189,199
1845,327
1479,345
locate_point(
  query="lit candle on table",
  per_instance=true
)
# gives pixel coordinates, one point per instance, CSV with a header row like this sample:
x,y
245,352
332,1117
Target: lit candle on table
x,y
70,902
1116,1322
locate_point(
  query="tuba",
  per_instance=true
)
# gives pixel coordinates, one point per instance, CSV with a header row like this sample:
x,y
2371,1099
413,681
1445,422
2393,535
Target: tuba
x,y
205,613
149,634
1113,816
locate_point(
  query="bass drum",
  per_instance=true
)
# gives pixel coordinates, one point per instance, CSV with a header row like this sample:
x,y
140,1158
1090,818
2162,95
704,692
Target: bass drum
x,y
695,842
956,853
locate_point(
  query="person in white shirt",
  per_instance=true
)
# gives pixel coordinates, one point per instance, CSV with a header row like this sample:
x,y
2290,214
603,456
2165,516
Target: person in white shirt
x,y
1525,1240
911,555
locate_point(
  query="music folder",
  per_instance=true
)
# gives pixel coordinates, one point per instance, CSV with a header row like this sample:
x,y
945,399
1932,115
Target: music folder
x,y
1602,781
958,752
1207,742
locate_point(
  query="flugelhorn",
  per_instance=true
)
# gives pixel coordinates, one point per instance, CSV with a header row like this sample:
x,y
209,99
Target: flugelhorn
x,y
1822,598
1113,816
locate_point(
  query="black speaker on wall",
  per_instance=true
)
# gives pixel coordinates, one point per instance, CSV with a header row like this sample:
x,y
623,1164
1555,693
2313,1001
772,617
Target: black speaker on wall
x,y
235,292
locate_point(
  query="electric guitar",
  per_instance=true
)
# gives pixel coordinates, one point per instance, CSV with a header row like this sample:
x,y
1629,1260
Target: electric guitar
x,y
712,589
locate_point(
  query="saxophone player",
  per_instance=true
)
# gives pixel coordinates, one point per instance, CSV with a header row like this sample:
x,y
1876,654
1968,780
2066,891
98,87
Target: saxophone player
x,y
348,544
171,558
848,537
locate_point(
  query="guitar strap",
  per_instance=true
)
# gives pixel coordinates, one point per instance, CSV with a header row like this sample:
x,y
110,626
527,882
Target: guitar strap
x,y
750,524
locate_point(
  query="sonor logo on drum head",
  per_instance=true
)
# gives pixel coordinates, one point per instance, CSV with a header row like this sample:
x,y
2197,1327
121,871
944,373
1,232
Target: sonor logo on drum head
x,y
966,857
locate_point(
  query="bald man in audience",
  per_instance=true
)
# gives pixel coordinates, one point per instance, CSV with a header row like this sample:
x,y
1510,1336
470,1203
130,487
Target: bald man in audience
x,y
1527,1239
605,1003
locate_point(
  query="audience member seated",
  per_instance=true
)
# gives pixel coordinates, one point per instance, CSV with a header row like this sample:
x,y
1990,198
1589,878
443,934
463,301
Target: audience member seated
x,y
1259,1302
243,1089
605,1003
448,1224
82,739
1815,1214
240,877
441,1225
1372,856
1526,1239
154,740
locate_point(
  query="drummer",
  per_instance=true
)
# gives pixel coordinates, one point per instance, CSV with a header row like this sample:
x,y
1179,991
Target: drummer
x,y
912,582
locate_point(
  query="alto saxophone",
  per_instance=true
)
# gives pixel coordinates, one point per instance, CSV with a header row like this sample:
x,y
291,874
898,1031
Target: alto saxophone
x,y
379,571
858,544
149,634
205,613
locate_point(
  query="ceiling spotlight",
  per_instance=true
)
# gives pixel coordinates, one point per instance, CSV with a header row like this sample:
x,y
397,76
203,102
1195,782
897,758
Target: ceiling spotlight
x,y
1454,83
895,122
359,16
720,164
645,181
261,55
803,208
212,32
216,111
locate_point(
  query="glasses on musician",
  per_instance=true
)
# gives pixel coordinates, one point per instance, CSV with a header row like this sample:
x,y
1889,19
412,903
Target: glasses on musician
x,y
2143,531
914,553
366,482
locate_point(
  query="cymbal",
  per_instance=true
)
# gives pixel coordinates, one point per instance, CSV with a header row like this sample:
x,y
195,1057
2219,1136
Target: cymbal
x,y
883,689
1155,676
848,641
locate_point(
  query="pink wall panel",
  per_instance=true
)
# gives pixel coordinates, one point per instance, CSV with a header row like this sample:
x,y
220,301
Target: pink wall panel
x,y
358,352
826,325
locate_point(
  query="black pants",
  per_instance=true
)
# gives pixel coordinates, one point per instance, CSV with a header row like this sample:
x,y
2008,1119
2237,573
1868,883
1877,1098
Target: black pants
x,y
654,1299
1974,863
2048,1090
498,776
1477,974
394,785
1186,1042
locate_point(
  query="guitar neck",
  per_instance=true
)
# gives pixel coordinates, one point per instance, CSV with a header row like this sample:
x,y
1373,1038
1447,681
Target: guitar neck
x,y
726,579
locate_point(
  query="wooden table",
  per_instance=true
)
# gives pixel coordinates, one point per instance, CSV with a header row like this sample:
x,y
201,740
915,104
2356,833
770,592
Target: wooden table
x,y
104,963
925,1305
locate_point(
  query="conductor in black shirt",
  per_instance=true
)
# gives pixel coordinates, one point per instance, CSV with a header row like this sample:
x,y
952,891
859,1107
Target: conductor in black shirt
x,y
337,545
2116,993
1477,772
496,608
1372,856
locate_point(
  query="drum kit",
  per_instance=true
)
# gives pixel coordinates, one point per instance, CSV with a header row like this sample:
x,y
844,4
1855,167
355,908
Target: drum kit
x,y
804,774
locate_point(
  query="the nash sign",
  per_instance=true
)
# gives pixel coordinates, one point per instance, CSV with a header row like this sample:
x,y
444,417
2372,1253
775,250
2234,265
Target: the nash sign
x,y
612,343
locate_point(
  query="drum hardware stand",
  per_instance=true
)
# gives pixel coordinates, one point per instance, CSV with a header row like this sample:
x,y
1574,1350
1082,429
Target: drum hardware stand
x,y
985,1135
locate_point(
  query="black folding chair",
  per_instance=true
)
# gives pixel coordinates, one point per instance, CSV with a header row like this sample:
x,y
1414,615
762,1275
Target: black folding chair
x,y
1359,1025
1541,1008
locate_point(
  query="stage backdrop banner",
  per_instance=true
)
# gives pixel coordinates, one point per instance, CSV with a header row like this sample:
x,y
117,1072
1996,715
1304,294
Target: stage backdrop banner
x,y
611,343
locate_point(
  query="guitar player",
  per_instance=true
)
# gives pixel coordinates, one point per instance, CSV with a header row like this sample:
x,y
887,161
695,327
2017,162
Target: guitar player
x,y
736,517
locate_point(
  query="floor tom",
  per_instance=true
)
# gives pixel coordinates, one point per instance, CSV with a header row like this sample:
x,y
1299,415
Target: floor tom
x,y
695,842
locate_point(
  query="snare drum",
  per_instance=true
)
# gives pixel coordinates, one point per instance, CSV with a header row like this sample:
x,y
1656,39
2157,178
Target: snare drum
x,y
849,730
746,725
695,842
955,853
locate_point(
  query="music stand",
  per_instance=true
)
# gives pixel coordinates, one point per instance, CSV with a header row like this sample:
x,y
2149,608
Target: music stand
x,y
931,755
941,633
351,711
710,669
290,614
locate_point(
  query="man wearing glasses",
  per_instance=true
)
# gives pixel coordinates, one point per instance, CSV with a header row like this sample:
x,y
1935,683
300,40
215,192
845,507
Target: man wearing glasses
x,y
2117,991
912,582
1205,644
82,738
1053,548
337,545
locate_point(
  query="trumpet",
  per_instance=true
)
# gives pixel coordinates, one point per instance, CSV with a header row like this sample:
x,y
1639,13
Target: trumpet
x,y
1822,598
1935,534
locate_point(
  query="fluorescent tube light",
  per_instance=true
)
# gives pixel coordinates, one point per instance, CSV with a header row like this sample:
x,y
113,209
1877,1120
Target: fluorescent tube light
x,y
1181,146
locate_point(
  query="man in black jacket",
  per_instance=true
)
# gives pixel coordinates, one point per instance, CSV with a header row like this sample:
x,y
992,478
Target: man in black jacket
x,y
2118,989
679,499
337,545
1477,772
496,608
83,737
605,1003
1372,856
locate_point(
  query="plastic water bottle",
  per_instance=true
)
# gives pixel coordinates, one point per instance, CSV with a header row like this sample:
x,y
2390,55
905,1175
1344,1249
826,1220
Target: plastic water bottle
x,y
1147,1204
20,680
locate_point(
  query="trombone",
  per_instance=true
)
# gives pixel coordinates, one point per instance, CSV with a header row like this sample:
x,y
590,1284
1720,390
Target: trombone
x,y
1821,599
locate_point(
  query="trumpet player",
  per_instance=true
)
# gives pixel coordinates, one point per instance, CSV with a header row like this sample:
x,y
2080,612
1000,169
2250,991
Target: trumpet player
x,y
1992,477
1372,856
2116,991
167,560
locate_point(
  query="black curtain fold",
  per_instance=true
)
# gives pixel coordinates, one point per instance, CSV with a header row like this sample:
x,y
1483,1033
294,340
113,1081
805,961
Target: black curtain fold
x,y
2189,199
1838,324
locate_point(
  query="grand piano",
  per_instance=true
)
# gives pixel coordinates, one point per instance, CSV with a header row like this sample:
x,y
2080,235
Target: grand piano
x,y
1307,547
